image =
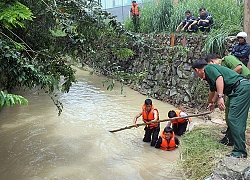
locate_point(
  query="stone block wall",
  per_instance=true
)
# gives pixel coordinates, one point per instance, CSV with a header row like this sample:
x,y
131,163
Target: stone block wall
x,y
166,67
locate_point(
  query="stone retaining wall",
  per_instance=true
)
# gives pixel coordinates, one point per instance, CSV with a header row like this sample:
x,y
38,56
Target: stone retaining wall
x,y
165,68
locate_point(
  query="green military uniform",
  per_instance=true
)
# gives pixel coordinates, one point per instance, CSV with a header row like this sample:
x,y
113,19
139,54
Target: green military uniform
x,y
239,97
232,62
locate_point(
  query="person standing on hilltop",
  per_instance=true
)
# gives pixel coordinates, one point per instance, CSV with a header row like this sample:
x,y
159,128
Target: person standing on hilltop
x,y
135,15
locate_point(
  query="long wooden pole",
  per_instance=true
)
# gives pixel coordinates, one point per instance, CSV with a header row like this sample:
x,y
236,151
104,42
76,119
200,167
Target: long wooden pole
x,y
163,120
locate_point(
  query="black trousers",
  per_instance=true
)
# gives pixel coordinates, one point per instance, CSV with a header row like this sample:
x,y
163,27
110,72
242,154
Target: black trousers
x,y
203,26
179,128
151,132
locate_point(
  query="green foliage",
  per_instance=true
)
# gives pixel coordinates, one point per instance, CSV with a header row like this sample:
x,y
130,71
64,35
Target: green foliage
x,y
44,71
181,52
123,53
155,17
60,29
200,148
12,13
11,99
215,42
166,17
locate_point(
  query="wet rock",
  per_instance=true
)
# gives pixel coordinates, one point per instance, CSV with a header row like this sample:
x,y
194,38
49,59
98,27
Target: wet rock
x,y
172,92
174,82
179,73
173,71
186,99
231,169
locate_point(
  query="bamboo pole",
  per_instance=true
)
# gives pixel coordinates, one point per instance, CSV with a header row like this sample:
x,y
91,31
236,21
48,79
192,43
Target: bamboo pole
x,y
163,120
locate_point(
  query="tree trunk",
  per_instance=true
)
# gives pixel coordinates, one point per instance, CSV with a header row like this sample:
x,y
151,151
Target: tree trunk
x,y
247,22
247,19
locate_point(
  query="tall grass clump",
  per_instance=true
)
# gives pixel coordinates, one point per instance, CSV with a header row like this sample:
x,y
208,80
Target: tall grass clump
x,y
155,17
166,17
200,148
222,11
215,42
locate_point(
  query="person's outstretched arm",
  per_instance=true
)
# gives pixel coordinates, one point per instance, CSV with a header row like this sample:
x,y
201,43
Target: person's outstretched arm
x,y
136,117
178,27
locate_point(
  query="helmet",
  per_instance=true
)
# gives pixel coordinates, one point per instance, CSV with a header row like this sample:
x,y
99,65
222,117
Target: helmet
x,y
242,34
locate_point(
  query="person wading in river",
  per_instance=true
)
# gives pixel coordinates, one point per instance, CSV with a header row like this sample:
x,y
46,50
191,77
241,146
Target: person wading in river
x,y
167,140
149,114
179,125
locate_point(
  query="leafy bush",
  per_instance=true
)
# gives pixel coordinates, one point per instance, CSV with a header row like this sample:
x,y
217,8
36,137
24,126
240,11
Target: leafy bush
x,y
12,13
11,99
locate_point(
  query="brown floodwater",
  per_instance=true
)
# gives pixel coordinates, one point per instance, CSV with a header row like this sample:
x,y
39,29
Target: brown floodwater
x,y
37,144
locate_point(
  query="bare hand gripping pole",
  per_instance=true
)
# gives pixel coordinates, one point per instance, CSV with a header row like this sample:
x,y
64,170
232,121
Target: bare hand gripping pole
x,y
163,120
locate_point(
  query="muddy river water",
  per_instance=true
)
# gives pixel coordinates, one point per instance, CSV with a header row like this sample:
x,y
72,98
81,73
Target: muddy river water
x,y
36,143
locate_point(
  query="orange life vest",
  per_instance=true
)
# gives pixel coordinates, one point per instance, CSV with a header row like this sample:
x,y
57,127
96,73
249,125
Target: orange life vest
x,y
168,146
135,10
149,116
181,120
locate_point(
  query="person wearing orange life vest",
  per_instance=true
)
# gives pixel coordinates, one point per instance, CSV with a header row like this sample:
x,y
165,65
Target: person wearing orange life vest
x,y
135,15
149,114
167,140
179,125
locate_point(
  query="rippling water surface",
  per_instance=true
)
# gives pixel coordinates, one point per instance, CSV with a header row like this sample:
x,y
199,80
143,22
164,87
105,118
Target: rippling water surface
x,y
35,143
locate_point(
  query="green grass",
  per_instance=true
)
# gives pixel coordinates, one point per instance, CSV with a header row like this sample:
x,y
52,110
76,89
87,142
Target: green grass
x,y
164,17
200,151
215,42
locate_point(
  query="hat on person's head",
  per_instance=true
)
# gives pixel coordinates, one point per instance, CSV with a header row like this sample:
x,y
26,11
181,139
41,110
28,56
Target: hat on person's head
x,y
200,63
242,34
133,1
